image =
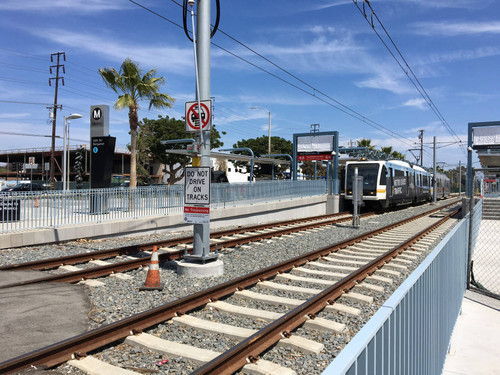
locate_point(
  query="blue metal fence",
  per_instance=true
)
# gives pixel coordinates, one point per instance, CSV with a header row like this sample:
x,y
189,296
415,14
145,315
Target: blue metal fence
x,y
48,209
410,333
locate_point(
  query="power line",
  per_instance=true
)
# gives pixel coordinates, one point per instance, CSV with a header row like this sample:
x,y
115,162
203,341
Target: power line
x,y
18,102
338,105
415,83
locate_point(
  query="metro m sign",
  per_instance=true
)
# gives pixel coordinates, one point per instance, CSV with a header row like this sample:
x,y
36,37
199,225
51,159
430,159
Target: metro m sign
x,y
99,121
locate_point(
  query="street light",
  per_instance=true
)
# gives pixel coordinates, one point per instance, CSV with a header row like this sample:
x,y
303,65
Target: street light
x,y
269,135
66,148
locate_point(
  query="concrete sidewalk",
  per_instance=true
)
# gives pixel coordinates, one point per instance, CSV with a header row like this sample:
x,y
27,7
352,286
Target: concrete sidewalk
x,y
475,343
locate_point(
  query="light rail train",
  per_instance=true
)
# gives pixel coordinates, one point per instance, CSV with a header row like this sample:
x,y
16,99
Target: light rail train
x,y
389,183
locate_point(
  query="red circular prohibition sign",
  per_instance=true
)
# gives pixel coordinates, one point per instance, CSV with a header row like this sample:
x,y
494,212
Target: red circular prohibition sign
x,y
192,116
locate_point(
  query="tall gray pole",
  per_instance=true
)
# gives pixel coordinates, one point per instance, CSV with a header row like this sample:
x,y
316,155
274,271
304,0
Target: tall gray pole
x,y
269,136
202,231
460,178
434,182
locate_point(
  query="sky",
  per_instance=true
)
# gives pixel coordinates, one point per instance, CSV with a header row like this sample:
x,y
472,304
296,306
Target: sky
x,y
306,62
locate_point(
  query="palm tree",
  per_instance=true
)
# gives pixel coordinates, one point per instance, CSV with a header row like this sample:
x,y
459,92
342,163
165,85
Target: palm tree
x,y
366,143
386,150
398,155
134,87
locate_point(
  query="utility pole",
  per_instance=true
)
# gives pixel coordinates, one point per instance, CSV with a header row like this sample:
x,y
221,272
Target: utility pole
x,y
55,107
314,128
421,137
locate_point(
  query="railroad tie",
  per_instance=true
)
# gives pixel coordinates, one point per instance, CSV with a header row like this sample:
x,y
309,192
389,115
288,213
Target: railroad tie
x,y
92,365
199,355
318,323
239,333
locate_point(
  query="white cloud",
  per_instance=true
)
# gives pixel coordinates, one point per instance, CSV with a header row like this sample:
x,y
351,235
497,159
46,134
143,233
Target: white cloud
x,y
330,4
464,4
14,115
385,80
171,59
461,55
85,6
419,103
456,28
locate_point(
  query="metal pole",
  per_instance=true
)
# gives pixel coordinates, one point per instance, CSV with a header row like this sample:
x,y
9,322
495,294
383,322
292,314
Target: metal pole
x,y
197,77
202,231
468,187
69,161
269,136
469,250
355,196
460,178
64,151
434,182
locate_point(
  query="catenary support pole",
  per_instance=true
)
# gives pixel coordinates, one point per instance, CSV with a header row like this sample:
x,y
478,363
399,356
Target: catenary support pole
x,y
460,178
202,231
434,181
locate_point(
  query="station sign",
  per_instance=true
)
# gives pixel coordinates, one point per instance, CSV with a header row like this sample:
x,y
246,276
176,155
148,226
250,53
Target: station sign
x,y
309,157
99,120
192,115
101,161
487,137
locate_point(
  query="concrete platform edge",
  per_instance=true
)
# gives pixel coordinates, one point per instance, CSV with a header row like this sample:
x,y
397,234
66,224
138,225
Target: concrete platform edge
x,y
220,217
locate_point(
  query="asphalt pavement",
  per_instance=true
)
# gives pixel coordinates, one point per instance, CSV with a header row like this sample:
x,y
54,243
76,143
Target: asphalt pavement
x,y
34,316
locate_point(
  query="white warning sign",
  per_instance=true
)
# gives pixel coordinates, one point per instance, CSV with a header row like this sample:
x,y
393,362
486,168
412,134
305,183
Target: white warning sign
x,y
197,185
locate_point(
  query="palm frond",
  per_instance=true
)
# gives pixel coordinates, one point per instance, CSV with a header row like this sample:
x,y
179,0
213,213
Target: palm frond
x,y
160,100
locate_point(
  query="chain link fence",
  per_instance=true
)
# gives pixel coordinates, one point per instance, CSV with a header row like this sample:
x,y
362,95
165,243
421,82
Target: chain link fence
x,y
485,237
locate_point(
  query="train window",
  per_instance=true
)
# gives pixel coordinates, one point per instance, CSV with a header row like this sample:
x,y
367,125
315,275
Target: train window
x,y
369,173
383,176
398,173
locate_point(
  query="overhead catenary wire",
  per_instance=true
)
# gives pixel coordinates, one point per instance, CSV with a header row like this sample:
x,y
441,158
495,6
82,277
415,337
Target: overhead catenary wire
x,y
336,104
415,81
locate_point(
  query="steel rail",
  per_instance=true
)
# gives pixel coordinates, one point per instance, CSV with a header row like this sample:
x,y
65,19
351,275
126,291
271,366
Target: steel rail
x,y
62,351
250,348
100,271
134,249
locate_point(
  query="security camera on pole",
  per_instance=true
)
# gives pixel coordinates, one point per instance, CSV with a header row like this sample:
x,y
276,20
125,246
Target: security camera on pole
x,y
200,263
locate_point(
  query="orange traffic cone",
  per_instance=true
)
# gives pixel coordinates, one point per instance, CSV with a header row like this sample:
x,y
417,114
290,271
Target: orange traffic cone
x,y
153,277
37,202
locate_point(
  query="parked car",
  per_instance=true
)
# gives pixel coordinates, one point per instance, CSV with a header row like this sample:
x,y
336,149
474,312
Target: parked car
x,y
23,186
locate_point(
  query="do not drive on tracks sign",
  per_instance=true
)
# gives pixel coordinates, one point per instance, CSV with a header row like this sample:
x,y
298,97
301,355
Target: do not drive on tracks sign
x,y
197,195
193,116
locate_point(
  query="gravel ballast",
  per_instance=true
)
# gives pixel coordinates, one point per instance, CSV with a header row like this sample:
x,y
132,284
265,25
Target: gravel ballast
x,y
118,299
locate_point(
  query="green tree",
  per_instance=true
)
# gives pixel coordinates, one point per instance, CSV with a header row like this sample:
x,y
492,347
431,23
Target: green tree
x,y
387,150
135,87
398,155
259,147
307,169
152,132
363,142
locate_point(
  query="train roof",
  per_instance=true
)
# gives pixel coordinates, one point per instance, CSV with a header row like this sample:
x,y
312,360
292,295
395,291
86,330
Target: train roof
x,y
400,163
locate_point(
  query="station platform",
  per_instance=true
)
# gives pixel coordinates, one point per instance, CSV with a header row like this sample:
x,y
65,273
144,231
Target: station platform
x,y
475,343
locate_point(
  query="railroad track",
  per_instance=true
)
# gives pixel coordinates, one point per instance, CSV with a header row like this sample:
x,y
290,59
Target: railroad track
x,y
168,250
340,279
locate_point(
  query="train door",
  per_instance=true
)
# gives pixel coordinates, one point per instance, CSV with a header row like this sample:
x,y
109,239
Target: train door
x,y
411,184
390,183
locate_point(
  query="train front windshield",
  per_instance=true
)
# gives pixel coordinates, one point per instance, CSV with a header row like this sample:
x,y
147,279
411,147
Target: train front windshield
x,y
369,173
